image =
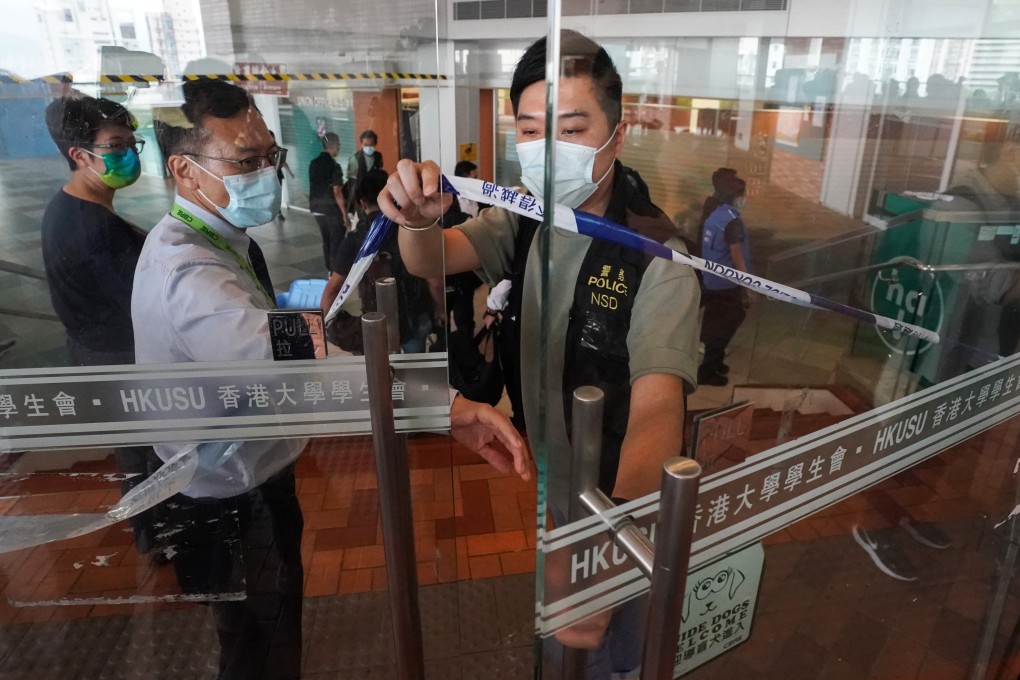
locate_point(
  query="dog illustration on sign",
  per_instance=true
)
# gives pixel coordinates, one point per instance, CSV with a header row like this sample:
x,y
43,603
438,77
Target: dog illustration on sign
x,y
705,592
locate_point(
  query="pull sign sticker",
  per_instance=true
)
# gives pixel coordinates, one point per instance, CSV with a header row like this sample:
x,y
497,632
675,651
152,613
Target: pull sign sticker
x,y
297,334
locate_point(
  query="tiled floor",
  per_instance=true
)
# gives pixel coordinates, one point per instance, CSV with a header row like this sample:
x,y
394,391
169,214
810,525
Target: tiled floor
x,y
469,523
475,569
824,610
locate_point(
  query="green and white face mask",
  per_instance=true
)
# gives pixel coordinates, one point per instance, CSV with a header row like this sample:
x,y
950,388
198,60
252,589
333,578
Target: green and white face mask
x,y
122,168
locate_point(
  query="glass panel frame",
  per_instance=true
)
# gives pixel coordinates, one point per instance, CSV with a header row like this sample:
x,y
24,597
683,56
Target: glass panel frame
x,y
125,586
787,106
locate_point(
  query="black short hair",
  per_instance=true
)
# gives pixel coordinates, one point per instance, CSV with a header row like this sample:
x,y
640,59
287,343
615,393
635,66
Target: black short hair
x,y
464,168
580,56
74,121
330,139
369,133
370,186
721,180
204,99
730,188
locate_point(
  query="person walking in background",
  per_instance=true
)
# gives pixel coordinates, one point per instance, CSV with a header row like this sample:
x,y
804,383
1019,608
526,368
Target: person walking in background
x,y
724,240
365,159
414,295
326,196
720,180
987,314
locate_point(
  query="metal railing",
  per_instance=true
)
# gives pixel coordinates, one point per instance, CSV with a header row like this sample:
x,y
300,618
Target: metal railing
x,y
906,261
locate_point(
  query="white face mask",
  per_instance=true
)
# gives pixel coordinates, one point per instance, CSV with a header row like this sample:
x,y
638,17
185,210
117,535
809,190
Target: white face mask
x,y
575,164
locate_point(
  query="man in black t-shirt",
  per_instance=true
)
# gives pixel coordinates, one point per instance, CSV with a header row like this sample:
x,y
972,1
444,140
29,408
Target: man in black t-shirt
x,y
326,195
460,288
415,296
90,252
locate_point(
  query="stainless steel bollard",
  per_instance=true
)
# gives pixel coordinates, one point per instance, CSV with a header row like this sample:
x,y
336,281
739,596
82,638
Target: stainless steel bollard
x,y
665,563
394,501
386,303
585,497
586,445
673,538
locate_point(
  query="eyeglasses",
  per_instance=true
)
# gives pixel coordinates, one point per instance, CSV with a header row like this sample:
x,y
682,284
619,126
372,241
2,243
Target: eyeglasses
x,y
119,147
274,159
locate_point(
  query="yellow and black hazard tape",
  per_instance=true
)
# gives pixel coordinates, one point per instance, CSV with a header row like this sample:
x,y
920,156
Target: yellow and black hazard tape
x,y
56,79
130,79
316,76
234,77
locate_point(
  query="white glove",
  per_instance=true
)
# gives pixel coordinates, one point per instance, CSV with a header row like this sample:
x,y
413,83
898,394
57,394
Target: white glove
x,y
498,295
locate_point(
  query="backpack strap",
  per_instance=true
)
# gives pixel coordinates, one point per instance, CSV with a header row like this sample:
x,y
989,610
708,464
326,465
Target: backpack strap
x,y
510,328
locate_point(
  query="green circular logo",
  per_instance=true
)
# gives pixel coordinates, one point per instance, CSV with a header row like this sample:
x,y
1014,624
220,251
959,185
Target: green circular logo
x,y
908,296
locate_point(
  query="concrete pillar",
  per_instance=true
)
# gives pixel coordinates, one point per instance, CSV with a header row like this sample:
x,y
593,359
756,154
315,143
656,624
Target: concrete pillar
x,y
845,155
438,107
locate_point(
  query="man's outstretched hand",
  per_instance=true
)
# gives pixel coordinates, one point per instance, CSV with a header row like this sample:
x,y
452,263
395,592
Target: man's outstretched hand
x,y
477,426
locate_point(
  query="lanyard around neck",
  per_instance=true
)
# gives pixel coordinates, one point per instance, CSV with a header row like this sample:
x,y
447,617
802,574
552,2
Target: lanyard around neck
x,y
215,238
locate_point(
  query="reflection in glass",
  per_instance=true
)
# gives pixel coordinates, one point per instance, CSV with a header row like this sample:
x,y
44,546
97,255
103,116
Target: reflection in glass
x,y
604,308
90,252
878,151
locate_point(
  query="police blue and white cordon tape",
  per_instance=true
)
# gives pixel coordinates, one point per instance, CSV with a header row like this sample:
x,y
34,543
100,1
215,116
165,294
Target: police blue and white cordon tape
x,y
596,227
19,532
373,241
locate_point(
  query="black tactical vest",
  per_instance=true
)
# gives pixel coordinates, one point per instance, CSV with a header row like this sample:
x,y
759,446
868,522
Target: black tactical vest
x,y
595,350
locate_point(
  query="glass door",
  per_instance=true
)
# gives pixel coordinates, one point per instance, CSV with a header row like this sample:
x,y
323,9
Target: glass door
x,y
190,486
856,506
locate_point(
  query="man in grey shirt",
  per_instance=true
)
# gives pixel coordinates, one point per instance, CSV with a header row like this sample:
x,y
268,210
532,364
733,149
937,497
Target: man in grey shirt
x,y
201,294
202,291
